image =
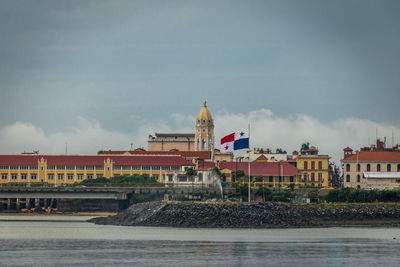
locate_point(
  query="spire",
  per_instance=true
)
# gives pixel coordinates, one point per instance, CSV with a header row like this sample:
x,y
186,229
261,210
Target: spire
x,y
205,103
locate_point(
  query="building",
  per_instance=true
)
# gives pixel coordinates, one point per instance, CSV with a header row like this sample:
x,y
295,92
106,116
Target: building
x,y
256,155
201,140
67,169
374,167
314,167
272,174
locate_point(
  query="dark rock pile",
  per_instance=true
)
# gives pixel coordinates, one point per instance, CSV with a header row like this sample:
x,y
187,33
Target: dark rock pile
x,y
261,215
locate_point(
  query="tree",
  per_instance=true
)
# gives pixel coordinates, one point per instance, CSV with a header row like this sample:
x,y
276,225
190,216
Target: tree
x,y
268,151
239,174
305,146
191,173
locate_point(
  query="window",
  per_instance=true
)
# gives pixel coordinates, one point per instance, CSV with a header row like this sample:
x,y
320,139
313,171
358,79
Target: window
x,y
70,167
51,167
291,179
368,167
305,165
2,167
348,178
389,168
14,167
126,168
170,178
90,176
136,168
33,167
312,177
23,176
175,168
33,176
358,167
4,176
320,165
182,178
358,178
80,168
165,168
50,176
312,165
61,177
14,177
378,167
91,168
60,167
271,179
155,177
320,177
80,177
155,168
23,167
146,168
70,177
99,168
398,167
347,167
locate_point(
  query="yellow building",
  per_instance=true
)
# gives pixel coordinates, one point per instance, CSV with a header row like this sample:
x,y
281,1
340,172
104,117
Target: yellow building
x,y
68,169
204,139
314,167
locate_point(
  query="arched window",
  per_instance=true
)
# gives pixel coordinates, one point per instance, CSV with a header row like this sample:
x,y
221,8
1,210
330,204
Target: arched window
x,y
378,167
358,167
348,178
347,167
389,168
368,167
358,178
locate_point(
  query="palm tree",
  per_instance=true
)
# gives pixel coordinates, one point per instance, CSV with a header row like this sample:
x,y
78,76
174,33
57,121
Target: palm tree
x,y
191,173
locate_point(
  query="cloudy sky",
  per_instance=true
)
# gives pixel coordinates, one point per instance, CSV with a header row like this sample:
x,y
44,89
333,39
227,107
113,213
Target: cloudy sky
x,y
104,74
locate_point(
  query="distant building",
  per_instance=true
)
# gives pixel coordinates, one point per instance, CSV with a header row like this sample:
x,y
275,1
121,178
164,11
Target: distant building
x,y
256,155
374,167
314,167
67,169
272,174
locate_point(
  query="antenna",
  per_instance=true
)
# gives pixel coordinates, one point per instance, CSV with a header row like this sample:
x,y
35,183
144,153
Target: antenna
x,y
392,138
376,133
66,148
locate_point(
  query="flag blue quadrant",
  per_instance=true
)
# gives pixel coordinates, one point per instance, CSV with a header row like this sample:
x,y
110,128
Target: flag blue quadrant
x,y
241,143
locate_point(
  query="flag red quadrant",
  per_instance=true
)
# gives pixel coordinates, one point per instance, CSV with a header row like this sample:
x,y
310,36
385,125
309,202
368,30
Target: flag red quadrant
x,y
228,138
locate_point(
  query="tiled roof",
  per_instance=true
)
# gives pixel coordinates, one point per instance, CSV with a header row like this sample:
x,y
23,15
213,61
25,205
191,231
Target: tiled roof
x,y
175,134
348,149
185,154
95,160
374,156
262,168
205,165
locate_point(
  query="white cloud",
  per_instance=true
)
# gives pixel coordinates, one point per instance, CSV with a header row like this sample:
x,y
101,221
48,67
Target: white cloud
x,y
267,130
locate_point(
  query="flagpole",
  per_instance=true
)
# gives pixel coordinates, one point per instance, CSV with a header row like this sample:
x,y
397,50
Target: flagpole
x,y
249,163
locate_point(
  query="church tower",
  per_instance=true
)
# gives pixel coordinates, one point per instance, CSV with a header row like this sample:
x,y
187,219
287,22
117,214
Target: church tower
x,y
204,137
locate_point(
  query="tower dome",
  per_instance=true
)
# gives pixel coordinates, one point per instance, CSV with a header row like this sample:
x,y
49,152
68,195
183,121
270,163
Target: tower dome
x,y
204,114
204,137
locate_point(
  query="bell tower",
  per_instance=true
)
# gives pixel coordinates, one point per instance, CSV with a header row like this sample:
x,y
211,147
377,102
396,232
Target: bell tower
x,y
204,137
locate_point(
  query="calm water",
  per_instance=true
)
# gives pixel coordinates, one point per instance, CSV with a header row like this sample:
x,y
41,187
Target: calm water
x,y
68,241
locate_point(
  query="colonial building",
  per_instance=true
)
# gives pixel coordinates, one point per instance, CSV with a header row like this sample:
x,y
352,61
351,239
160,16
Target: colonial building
x,y
204,140
68,169
374,167
272,174
314,167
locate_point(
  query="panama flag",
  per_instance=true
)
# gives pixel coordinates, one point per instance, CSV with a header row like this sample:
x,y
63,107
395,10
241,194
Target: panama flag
x,y
235,141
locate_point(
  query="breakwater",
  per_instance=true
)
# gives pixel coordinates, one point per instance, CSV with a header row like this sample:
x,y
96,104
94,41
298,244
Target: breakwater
x,y
257,215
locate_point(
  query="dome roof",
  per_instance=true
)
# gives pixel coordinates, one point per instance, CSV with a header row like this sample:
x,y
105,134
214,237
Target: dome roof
x,y
204,113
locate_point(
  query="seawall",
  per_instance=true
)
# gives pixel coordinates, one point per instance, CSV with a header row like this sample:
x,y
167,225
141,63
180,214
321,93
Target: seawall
x,y
260,215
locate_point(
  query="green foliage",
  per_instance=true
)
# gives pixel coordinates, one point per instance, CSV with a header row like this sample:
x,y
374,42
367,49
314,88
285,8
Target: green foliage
x,y
305,146
362,196
313,195
190,172
121,181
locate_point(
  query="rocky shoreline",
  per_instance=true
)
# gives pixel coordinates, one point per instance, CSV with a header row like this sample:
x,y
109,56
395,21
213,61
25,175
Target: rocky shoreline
x,y
255,215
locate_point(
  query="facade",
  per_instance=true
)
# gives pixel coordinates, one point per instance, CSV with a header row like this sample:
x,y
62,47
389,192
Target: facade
x,y
372,168
67,169
171,142
314,167
272,174
270,157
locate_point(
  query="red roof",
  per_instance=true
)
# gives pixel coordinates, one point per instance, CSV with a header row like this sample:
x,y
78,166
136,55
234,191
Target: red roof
x,y
185,154
262,168
262,157
94,160
205,165
348,149
389,156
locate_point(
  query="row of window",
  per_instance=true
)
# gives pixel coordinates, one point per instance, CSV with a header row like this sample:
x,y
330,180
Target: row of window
x,y
312,165
97,168
358,178
378,167
15,176
312,177
49,177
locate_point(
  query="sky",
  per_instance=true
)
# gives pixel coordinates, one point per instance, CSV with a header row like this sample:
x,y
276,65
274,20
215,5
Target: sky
x,y
105,74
